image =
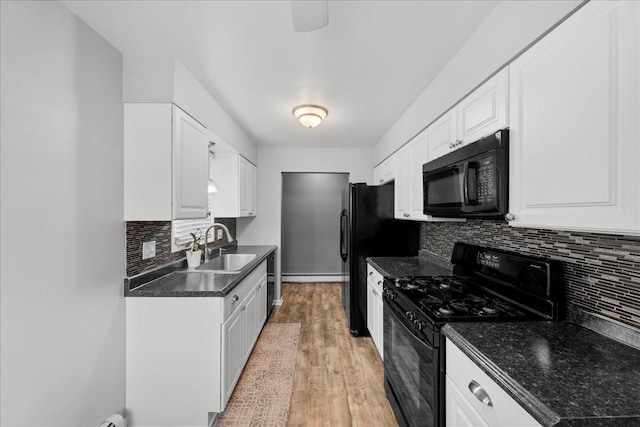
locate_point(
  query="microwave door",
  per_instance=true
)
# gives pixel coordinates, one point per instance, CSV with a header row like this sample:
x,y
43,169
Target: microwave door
x,y
444,191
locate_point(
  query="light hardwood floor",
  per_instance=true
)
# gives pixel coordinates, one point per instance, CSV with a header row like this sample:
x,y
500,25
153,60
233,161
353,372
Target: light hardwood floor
x,y
339,378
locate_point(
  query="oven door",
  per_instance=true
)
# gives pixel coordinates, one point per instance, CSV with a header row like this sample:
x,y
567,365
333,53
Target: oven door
x,y
411,372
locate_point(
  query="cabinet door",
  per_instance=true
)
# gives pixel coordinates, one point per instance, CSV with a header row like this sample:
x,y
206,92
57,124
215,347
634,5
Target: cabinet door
x,y
371,323
574,149
459,412
379,318
402,184
243,187
190,167
262,303
389,169
247,178
441,135
253,190
377,175
251,329
226,175
485,110
417,157
233,360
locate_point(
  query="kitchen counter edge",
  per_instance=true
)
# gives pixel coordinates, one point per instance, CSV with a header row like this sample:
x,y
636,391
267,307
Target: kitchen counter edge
x,y
225,282
534,406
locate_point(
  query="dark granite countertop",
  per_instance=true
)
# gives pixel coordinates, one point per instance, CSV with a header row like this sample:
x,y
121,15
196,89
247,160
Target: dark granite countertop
x,y
196,284
407,266
561,373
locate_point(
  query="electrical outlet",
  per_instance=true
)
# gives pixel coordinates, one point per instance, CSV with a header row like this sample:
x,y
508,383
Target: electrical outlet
x,y
149,249
219,235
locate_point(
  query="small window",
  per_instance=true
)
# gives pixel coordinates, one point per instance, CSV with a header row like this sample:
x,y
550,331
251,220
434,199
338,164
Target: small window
x,y
181,229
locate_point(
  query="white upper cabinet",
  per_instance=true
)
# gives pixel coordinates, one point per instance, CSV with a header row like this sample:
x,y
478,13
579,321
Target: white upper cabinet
x,y
385,171
165,163
190,167
408,195
485,110
236,180
481,113
248,184
417,157
408,201
402,185
575,124
442,135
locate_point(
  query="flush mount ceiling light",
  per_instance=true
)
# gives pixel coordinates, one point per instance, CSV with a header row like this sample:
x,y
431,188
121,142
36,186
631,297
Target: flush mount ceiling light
x,y
310,116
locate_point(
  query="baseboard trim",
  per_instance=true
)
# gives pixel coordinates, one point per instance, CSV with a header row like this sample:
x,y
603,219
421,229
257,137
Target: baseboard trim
x,y
312,279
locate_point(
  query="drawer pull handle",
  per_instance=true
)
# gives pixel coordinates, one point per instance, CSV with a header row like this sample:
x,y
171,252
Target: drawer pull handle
x,y
480,393
234,299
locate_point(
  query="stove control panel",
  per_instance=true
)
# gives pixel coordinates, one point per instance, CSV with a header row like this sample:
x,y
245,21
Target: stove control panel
x,y
488,259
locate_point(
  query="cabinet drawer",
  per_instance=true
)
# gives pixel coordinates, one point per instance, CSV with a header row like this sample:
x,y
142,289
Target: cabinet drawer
x,y
459,410
236,296
374,277
464,374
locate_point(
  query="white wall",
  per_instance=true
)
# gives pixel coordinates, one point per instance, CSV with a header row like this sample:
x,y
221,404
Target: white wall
x,y
62,229
157,78
264,229
510,28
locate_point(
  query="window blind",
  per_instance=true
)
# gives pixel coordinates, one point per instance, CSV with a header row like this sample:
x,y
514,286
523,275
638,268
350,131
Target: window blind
x,y
181,229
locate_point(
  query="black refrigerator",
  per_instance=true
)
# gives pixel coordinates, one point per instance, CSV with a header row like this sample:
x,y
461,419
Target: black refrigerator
x,y
368,228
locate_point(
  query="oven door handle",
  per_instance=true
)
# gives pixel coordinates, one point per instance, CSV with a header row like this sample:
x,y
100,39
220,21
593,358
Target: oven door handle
x,y
401,320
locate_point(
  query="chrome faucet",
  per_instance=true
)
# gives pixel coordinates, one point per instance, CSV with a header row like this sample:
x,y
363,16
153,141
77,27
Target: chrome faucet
x,y
206,238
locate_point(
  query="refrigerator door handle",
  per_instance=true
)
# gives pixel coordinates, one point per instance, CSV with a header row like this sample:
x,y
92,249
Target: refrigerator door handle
x,y
344,233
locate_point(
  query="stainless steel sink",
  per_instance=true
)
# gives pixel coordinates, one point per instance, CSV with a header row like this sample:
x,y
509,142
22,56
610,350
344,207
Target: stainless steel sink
x,y
225,264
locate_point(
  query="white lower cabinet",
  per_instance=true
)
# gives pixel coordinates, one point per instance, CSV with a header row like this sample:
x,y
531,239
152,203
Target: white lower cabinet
x,y
474,399
233,344
374,308
239,334
184,355
575,126
459,412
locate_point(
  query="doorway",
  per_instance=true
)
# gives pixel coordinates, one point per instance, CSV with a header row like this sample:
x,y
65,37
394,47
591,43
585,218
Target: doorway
x,y
311,205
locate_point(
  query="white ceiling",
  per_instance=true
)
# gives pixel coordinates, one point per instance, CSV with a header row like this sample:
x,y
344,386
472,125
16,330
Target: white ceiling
x,y
366,66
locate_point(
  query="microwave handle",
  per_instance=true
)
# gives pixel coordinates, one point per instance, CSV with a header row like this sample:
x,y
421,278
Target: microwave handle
x,y
470,186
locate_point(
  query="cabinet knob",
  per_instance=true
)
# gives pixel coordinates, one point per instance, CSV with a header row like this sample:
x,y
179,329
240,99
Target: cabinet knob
x,y
371,273
509,217
243,307
480,393
380,180
235,299
375,293
380,282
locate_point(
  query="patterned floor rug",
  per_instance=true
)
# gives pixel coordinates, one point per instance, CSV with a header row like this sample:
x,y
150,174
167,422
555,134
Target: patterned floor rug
x,y
263,392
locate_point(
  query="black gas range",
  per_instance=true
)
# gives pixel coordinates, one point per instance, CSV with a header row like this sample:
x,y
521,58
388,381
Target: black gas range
x,y
487,285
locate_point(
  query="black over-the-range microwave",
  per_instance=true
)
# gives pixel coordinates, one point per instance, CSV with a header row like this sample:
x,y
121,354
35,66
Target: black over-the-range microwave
x,y
471,182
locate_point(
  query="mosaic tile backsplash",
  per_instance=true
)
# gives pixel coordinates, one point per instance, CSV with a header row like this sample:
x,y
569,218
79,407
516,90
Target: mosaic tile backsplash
x,y
601,271
160,231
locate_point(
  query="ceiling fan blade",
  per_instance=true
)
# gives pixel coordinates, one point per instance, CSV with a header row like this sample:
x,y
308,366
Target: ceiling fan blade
x,y
309,15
